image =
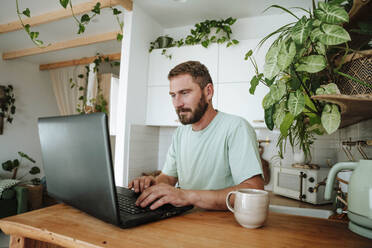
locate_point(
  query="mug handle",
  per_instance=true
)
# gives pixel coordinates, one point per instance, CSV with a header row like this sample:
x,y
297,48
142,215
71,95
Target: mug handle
x,y
228,200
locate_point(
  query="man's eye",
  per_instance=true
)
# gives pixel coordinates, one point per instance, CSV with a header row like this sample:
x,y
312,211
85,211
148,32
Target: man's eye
x,y
184,93
172,96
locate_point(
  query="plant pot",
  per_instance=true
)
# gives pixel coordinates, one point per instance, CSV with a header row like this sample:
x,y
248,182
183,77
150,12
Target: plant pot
x,y
359,67
35,196
164,41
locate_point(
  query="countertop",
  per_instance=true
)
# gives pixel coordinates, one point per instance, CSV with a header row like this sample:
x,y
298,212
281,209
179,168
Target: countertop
x,y
66,226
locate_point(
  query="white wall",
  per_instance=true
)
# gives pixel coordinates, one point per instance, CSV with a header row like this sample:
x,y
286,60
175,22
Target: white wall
x,y
139,30
34,98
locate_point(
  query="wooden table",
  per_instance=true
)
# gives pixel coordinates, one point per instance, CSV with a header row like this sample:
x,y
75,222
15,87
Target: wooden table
x,y
62,225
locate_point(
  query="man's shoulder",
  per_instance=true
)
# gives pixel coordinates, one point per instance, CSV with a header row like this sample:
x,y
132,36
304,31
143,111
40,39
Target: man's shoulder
x,y
233,120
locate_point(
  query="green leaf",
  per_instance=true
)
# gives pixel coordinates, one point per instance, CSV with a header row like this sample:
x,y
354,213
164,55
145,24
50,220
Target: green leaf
x,y
34,170
8,165
269,117
301,31
205,43
24,155
97,8
119,37
235,42
254,83
331,14
81,29
267,101
271,68
315,34
286,54
15,163
282,8
85,18
116,11
64,3
248,54
294,83
81,76
328,89
296,102
320,48
312,64
286,124
27,12
331,118
310,105
333,35
279,114
27,28
34,35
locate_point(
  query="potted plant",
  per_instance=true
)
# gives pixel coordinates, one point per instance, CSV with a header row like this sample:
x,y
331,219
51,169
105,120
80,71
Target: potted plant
x,y
35,190
299,65
7,105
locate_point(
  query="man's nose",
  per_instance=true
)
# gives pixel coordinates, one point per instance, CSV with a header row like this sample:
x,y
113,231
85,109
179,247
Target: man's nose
x,y
177,102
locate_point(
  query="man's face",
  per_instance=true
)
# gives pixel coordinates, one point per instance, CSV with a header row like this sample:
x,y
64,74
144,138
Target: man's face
x,y
188,99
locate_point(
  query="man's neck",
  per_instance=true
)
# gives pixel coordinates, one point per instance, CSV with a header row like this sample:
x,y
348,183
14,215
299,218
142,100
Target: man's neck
x,y
205,120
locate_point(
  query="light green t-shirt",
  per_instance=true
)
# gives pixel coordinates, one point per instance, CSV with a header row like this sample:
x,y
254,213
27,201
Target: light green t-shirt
x,y
223,154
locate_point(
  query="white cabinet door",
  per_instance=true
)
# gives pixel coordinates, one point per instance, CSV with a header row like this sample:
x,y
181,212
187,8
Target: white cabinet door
x,y
160,110
234,98
159,65
233,67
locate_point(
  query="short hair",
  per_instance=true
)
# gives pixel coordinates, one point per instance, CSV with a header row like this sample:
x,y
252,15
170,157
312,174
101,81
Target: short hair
x,y
195,69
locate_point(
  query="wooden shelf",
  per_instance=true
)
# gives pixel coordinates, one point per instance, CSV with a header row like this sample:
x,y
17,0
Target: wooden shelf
x,y
354,108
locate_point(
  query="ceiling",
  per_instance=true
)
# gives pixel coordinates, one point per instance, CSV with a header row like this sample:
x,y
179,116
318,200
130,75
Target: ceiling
x,y
168,13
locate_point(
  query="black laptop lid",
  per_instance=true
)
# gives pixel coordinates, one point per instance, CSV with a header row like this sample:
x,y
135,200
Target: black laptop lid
x,y
78,165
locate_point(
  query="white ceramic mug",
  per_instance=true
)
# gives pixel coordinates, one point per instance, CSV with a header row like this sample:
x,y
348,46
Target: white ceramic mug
x,y
251,207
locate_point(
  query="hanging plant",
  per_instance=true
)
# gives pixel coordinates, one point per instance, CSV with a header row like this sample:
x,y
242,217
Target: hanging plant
x,y
204,33
99,103
81,23
7,105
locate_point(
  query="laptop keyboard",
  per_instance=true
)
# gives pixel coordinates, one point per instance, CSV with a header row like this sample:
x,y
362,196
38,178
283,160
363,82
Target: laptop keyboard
x,y
127,205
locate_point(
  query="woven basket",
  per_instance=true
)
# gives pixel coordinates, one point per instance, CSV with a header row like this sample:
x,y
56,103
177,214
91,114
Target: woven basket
x,y
360,68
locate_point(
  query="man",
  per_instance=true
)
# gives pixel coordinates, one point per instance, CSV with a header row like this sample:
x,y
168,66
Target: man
x,y
212,154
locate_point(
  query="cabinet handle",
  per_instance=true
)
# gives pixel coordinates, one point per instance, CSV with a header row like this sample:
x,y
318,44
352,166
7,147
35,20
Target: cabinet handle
x,y
258,121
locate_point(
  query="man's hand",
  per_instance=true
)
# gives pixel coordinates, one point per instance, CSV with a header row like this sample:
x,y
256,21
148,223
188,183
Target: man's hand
x,y
161,194
141,183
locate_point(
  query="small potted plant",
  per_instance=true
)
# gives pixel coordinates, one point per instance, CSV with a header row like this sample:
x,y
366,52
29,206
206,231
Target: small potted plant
x,y
7,107
298,66
34,187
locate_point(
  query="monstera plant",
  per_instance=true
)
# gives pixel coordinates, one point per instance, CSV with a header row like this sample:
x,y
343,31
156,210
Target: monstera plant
x,y
299,65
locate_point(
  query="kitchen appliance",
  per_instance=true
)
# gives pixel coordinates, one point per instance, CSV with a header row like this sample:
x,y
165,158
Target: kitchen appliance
x,y
301,184
359,195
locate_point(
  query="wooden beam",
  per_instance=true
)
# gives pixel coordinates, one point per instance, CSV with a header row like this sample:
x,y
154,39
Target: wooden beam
x,y
64,13
83,61
83,41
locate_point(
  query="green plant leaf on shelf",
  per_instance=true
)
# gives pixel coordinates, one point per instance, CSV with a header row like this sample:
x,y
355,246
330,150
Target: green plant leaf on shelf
x,y
301,31
27,12
320,48
279,113
331,14
64,3
254,82
315,34
333,35
296,102
34,170
269,113
312,63
331,118
328,89
271,68
286,54
267,101
97,8
24,155
286,124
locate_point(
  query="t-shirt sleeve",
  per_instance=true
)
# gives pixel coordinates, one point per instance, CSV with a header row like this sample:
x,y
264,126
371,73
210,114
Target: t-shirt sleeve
x,y
170,166
244,158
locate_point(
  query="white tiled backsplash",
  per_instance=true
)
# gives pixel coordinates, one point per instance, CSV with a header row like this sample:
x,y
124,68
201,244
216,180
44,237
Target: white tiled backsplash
x,y
150,144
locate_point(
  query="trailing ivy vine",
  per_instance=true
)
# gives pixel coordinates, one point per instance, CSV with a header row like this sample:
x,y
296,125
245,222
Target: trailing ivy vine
x,y
82,23
204,33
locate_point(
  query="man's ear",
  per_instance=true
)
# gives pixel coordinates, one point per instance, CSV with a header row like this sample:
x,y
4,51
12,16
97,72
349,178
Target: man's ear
x,y
209,91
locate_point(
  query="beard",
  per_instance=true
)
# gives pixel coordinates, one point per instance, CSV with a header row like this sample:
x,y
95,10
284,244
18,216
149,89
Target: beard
x,y
196,114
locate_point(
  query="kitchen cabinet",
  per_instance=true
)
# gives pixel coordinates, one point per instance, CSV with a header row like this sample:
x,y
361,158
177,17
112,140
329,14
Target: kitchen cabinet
x,y
234,98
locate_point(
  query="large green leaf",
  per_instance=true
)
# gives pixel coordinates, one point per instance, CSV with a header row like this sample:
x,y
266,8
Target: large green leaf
x,y
301,31
331,118
333,35
269,117
279,113
254,82
315,33
320,48
286,54
286,124
296,102
267,101
277,91
330,13
328,89
271,68
312,63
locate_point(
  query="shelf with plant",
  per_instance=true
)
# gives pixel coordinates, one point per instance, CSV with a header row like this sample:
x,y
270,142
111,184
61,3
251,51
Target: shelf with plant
x,y
204,33
298,66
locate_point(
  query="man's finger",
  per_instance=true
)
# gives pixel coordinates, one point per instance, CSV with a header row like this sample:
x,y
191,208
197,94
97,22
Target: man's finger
x,y
141,184
150,198
160,202
136,186
130,185
148,182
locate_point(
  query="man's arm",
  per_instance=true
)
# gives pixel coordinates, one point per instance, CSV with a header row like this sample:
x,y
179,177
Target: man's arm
x,y
161,194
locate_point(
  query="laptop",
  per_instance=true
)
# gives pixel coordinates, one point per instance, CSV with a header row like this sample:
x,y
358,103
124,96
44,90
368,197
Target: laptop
x,y
78,169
